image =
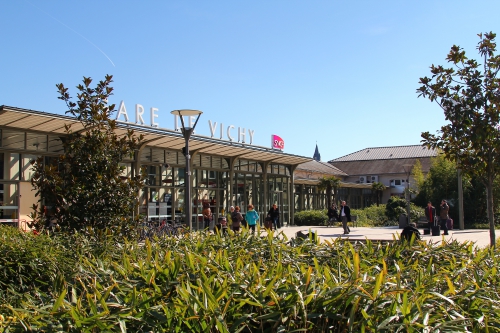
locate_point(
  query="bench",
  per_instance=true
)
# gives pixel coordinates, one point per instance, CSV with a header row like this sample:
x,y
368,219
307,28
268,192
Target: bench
x,y
354,220
422,223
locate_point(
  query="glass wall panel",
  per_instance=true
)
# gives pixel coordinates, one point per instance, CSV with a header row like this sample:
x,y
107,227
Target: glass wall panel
x,y
145,155
219,163
36,142
26,167
242,165
128,170
171,158
55,144
157,155
196,160
13,166
163,194
2,163
9,205
205,161
12,139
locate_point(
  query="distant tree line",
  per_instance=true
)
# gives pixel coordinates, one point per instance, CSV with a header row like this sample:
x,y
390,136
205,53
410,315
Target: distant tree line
x,y
442,183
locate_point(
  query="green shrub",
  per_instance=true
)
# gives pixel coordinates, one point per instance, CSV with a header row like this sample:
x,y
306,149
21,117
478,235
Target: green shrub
x,y
310,217
208,283
397,206
29,263
394,208
372,216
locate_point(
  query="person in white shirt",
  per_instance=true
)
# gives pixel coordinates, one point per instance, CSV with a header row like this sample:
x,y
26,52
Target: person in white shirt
x,y
345,216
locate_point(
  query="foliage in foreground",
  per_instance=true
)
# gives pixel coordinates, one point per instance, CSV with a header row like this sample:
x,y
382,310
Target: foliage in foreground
x,y
208,283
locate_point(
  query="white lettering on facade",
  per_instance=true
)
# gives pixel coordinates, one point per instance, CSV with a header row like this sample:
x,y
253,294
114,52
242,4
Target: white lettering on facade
x,y
212,128
243,133
229,128
122,110
153,116
139,111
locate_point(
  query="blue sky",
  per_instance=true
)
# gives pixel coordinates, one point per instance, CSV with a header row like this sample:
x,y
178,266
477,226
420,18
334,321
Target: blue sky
x,y
342,74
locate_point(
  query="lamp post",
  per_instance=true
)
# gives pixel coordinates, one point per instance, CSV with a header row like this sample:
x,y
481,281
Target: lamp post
x,y
407,168
186,132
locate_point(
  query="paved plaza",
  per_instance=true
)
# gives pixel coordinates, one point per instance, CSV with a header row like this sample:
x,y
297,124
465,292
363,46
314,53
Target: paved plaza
x,y
481,237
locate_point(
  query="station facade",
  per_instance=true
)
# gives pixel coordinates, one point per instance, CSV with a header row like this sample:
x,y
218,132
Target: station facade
x,y
224,172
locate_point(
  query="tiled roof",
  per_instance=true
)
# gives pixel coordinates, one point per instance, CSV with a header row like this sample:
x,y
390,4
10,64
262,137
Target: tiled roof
x,y
387,153
322,167
380,167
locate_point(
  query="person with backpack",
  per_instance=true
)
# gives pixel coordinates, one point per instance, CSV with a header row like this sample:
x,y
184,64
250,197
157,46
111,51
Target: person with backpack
x,y
251,217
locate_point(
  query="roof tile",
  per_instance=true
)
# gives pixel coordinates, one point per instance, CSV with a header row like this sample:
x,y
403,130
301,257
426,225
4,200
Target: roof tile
x,y
387,153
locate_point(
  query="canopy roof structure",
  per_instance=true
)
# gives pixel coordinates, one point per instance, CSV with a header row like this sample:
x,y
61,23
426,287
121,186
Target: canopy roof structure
x,y
48,123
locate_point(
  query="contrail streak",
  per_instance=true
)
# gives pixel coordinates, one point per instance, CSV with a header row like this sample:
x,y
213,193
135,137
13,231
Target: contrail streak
x,y
76,32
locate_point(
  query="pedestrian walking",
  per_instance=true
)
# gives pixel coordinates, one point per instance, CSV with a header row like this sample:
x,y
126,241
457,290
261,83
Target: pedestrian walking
x,y
207,216
345,215
274,214
251,217
236,217
443,216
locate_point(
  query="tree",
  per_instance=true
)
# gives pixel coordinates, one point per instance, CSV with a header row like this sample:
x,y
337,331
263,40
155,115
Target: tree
x,y
86,184
441,183
417,173
378,188
329,184
469,94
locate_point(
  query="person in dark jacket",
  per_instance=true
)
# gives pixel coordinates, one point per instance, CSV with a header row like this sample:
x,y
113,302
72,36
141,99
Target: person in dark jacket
x,y
443,216
430,213
236,217
274,214
345,215
409,231
333,215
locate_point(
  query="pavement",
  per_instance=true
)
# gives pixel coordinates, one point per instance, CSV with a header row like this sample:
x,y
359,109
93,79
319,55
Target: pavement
x,y
481,237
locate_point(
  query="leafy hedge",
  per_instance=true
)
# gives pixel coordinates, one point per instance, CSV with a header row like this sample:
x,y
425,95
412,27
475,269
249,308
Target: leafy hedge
x,y
310,217
208,283
372,216
369,216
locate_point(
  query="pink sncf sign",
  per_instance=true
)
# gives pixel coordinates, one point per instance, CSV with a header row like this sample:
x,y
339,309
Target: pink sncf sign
x,y
277,142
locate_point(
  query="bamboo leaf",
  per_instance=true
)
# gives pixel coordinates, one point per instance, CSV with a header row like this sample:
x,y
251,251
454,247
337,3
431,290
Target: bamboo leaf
x,y
59,302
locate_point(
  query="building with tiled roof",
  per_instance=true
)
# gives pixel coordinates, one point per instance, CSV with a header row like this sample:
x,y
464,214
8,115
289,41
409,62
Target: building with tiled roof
x,y
387,165
387,153
306,178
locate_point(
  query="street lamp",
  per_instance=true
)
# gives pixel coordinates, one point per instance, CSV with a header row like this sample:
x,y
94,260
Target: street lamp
x,y
186,132
407,168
